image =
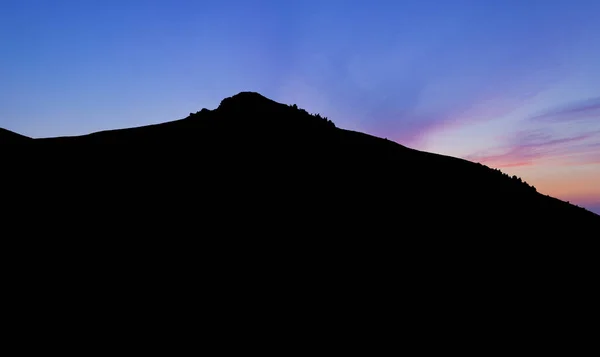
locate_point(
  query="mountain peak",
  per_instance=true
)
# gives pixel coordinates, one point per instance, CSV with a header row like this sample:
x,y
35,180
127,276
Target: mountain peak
x,y
246,101
249,95
266,112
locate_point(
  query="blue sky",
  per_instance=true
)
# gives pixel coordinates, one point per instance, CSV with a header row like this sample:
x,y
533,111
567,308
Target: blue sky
x,y
514,83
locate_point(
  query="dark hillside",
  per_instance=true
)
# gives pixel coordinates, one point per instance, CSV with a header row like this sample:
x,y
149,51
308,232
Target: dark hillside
x,y
253,155
8,137
258,206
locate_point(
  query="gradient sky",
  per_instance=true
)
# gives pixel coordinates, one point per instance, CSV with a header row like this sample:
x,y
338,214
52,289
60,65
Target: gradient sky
x,y
514,84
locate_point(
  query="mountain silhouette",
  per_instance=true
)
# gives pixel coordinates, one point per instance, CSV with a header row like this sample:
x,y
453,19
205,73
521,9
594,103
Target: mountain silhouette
x,y
259,160
262,204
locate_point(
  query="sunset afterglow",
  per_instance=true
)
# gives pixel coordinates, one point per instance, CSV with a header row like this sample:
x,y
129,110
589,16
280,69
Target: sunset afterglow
x,y
511,84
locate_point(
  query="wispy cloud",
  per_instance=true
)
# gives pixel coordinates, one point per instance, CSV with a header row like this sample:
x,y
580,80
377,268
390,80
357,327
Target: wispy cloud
x,y
529,146
581,110
410,127
413,127
410,99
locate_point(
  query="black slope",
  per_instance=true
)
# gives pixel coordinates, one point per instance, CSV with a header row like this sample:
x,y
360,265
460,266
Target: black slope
x,y
8,137
253,155
259,209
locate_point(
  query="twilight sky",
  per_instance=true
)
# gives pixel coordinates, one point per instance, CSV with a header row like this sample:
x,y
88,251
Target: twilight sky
x,y
514,84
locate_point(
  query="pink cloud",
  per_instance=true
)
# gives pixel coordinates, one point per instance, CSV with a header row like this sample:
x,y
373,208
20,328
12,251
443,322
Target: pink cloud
x,y
486,109
512,158
530,146
409,126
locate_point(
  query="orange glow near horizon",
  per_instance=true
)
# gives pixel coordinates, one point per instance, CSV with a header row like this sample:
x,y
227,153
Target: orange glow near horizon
x,y
578,184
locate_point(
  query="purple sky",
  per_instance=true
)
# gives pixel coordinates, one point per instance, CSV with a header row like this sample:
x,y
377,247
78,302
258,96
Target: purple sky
x,y
514,84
